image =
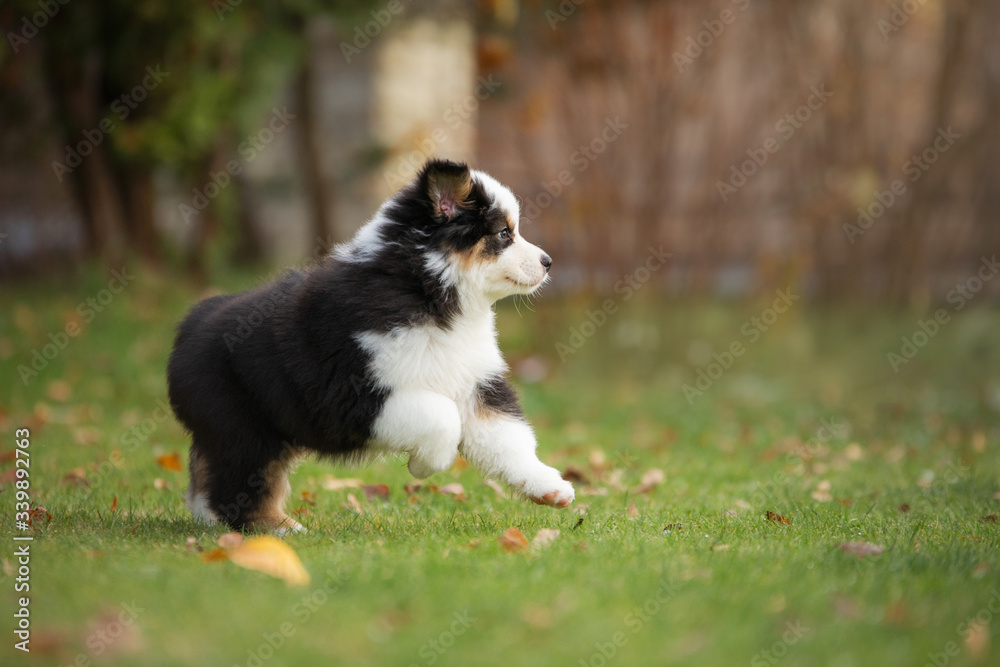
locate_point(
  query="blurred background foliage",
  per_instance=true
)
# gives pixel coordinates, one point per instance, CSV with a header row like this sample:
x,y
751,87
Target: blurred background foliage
x,y
524,89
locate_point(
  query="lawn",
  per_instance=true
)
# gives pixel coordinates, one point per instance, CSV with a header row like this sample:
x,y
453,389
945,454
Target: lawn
x,y
816,508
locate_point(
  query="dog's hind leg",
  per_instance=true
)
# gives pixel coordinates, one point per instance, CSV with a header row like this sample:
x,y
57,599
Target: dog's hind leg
x,y
246,484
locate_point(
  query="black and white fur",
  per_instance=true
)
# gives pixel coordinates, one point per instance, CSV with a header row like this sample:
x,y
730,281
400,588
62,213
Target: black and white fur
x,y
388,346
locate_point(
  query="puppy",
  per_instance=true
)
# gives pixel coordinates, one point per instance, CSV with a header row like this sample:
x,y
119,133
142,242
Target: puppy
x,y
388,346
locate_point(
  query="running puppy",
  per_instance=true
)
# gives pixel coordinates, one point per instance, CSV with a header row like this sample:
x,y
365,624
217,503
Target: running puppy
x,y
388,346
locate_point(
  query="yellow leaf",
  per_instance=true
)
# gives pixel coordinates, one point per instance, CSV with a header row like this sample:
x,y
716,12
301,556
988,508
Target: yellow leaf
x,y
268,554
171,461
513,540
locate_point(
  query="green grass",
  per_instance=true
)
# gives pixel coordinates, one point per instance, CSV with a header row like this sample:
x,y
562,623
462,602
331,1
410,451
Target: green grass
x,y
701,576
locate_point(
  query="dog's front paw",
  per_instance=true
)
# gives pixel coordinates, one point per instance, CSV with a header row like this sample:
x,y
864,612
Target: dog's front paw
x,y
551,489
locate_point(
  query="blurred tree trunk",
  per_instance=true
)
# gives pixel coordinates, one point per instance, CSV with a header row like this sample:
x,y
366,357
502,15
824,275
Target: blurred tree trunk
x,y
74,84
250,247
320,194
141,196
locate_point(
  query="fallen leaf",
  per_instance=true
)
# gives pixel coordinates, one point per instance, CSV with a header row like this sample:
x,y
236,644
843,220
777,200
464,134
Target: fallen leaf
x,y
544,537
822,492
473,543
412,487
302,511
649,481
989,518
353,504
380,490
499,490
114,503
861,549
513,541
777,518
161,484
230,540
59,390
191,544
171,461
575,474
632,512
37,513
214,555
308,497
977,638
904,508
76,477
453,489
268,554
597,460
334,484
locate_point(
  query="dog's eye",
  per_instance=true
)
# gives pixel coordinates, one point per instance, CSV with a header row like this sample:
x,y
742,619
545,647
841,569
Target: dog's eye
x,y
504,234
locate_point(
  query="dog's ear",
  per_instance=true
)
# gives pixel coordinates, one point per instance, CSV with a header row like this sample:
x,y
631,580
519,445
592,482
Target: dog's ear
x,y
448,186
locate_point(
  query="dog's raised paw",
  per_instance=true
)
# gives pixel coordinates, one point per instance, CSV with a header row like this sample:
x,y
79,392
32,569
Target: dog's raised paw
x,y
559,497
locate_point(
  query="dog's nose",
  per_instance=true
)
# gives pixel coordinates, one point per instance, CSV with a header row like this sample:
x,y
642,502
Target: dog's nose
x,y
546,262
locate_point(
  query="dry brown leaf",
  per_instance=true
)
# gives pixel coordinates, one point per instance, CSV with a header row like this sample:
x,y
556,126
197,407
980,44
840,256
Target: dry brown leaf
x,y
650,481
171,461
230,540
114,503
597,460
861,549
989,518
499,490
904,508
575,475
513,541
37,514
544,537
59,390
214,555
353,504
632,512
191,544
380,490
161,484
412,487
76,477
453,489
977,639
334,484
777,518
268,554
308,497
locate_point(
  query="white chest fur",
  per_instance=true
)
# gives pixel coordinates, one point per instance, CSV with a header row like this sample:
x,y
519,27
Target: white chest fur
x,y
450,362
